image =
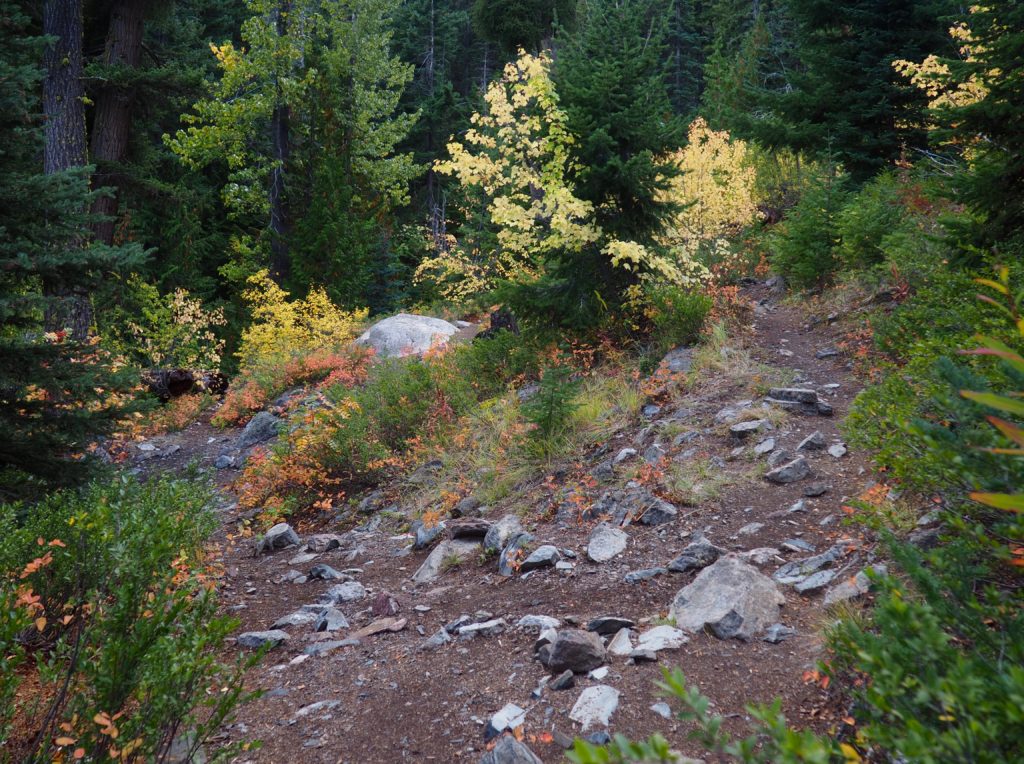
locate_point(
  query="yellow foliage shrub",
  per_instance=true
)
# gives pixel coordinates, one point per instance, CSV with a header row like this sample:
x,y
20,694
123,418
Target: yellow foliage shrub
x,y
282,328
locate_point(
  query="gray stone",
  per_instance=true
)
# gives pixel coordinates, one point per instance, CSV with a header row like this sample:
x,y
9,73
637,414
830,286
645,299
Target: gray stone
x,y
406,334
854,587
685,437
563,681
298,618
654,454
508,718
777,633
323,542
636,576
606,542
741,430
650,411
695,556
816,489
424,536
292,577
260,428
440,637
643,656
662,709
508,750
624,455
371,503
501,532
661,638
793,394
595,706
760,556
815,581
750,529
350,591
576,650
442,554
467,507
837,450
813,442
542,557
657,511
318,649
791,472
729,598
620,645
224,461
278,537
607,625
469,528
330,619
730,413
797,545
766,446
512,554
678,360
779,457
257,639
325,572
491,628
925,538
537,623
826,353
798,570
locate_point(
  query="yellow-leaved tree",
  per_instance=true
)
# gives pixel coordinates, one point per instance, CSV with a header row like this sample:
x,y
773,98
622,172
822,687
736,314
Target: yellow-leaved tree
x,y
714,193
513,166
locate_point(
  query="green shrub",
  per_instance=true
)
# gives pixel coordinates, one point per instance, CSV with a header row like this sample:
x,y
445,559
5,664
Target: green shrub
x,y
804,246
678,315
871,214
492,363
550,409
125,625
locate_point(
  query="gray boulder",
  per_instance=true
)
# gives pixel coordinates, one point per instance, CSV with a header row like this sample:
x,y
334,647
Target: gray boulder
x,y
260,428
406,334
542,557
576,650
257,639
278,537
512,553
695,556
447,551
501,532
606,542
730,598
790,472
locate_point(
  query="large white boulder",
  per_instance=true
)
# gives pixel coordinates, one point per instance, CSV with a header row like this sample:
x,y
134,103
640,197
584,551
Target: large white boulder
x,y
406,334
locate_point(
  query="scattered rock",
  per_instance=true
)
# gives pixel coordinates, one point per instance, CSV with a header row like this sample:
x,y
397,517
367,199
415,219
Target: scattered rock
x,y
791,472
697,555
650,411
224,461
260,428
730,413
371,503
384,604
424,535
606,542
766,446
508,718
655,453
813,442
838,450
620,645
730,598
777,633
576,650
643,656
467,507
378,626
508,561
508,750
406,334
607,625
542,557
662,709
469,528
501,532
742,430
350,591
636,576
538,622
298,618
661,638
760,556
853,587
323,542
779,457
678,360
278,537
440,637
445,552
797,545
595,706
815,581
797,571
816,489
491,628
330,619
325,572
624,455
750,529
257,639
563,681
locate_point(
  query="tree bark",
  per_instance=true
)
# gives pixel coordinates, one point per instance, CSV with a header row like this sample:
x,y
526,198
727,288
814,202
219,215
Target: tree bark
x,y
114,102
64,149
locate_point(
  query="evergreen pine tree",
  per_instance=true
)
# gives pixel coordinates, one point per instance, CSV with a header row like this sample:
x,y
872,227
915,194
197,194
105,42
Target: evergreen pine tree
x,y
55,393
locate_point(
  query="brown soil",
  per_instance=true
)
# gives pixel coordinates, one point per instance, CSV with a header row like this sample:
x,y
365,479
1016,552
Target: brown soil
x,y
399,703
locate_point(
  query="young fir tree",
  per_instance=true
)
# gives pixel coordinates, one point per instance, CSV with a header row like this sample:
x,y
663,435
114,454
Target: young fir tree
x,y
610,75
55,393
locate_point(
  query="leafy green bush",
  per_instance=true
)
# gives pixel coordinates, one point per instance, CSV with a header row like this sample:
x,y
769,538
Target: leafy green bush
x,y
678,315
803,246
124,621
553,404
871,214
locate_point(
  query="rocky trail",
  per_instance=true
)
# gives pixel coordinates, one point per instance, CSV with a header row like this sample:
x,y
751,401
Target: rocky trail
x,y
387,653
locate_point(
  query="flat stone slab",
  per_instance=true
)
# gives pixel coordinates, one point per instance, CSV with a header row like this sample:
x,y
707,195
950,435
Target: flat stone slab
x,y
595,706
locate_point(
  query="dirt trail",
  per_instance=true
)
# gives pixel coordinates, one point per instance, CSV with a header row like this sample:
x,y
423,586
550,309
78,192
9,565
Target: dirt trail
x,y
385,699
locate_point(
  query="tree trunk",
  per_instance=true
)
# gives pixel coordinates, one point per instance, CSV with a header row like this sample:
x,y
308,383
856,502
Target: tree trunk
x,y
114,101
63,104
280,260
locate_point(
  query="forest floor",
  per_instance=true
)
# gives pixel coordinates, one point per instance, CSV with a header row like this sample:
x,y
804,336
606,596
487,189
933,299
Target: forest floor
x,y
386,698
